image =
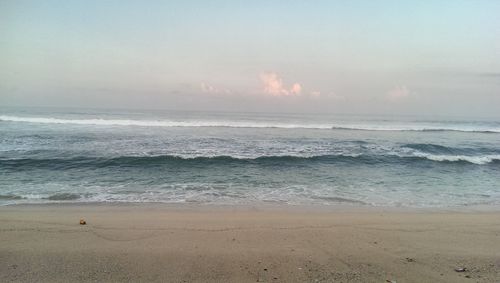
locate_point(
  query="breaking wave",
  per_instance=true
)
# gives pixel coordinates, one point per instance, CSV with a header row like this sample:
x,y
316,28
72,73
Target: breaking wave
x,y
416,126
200,161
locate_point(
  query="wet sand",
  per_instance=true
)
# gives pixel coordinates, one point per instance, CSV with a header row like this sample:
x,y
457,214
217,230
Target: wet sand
x,y
166,243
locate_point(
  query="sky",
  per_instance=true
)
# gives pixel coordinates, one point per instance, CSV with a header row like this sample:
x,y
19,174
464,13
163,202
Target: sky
x,y
359,57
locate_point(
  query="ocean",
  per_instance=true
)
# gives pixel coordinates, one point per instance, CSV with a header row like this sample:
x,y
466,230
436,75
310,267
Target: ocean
x,y
77,155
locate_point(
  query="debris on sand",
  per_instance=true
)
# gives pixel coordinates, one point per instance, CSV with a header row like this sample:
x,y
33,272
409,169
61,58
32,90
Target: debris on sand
x,y
82,222
409,259
460,269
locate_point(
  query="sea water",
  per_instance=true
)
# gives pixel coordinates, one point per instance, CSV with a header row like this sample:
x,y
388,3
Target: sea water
x,y
78,155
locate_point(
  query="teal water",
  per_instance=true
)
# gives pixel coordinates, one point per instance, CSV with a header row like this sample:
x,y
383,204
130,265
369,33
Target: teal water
x,y
57,155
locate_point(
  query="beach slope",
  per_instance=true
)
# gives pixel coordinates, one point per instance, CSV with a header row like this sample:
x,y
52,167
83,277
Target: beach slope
x,y
139,243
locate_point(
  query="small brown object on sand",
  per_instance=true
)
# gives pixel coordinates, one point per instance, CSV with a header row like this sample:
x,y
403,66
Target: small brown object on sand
x,y
82,222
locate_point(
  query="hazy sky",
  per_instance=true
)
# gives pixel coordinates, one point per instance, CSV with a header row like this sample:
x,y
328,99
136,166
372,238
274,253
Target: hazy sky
x,y
403,57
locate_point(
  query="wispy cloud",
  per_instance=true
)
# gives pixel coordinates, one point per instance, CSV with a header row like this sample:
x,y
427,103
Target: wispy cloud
x,y
315,93
398,92
273,85
334,96
208,88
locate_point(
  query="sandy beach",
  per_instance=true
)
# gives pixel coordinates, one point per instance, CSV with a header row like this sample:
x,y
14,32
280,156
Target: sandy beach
x,y
139,243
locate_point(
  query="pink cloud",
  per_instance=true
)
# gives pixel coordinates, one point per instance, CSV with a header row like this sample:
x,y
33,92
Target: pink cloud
x,y
398,92
273,85
296,89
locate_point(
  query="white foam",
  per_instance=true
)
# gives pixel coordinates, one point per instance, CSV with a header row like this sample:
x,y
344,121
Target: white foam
x,y
159,123
412,126
417,127
480,160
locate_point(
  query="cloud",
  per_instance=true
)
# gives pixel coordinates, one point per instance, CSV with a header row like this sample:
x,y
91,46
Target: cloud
x,y
398,92
296,88
208,88
334,96
315,93
273,85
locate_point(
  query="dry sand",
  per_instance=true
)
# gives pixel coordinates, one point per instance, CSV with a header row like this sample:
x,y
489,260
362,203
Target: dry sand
x,y
140,243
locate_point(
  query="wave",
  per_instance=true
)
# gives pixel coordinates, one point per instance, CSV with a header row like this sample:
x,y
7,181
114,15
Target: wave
x,y
159,123
63,196
436,152
415,127
10,197
51,197
418,128
173,161
431,148
479,160
446,150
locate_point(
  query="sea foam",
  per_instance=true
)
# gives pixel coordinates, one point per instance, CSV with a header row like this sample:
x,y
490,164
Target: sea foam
x,y
411,126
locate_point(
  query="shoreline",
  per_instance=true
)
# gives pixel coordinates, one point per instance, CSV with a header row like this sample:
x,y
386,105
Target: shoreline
x,y
179,243
271,206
